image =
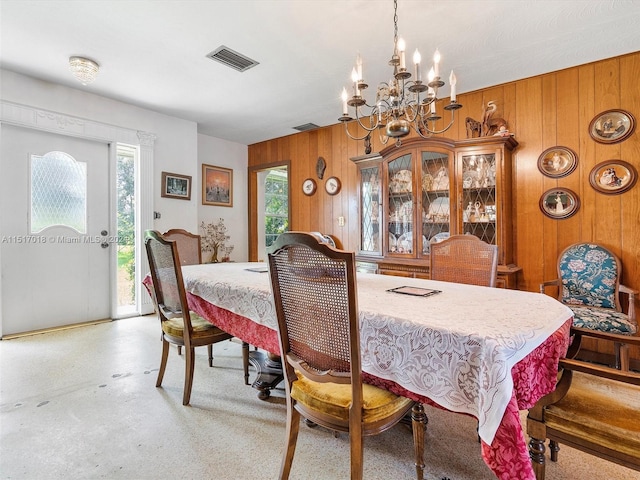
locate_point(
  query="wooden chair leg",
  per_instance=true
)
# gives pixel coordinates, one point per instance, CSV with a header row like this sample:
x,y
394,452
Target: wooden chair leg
x,y
245,362
163,362
418,425
357,451
188,375
210,352
536,453
293,426
554,448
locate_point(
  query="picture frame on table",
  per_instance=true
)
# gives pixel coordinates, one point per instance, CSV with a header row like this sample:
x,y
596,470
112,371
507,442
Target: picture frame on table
x,y
613,177
176,186
559,203
217,186
557,162
612,126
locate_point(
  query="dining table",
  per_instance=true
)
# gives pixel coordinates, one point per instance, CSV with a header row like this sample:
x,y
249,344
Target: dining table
x,y
480,351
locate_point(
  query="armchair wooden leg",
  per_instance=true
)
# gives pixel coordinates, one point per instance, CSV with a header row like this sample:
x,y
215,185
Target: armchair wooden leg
x,y
554,448
536,453
419,425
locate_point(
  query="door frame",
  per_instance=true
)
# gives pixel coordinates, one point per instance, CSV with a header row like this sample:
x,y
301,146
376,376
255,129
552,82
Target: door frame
x,y
54,122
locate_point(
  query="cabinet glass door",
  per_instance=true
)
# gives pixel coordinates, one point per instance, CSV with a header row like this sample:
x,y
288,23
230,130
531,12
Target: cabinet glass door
x,y
370,241
435,198
400,205
479,196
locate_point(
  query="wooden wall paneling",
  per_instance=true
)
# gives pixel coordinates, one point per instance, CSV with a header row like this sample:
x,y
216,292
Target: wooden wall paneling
x,y
587,152
630,152
608,207
568,135
549,129
529,187
303,166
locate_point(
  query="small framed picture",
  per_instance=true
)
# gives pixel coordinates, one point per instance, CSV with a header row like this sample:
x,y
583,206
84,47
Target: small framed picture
x,y
612,126
613,177
176,186
557,162
217,186
559,203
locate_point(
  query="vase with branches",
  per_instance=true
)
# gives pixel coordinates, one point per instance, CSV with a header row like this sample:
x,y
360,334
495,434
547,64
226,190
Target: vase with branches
x,y
214,239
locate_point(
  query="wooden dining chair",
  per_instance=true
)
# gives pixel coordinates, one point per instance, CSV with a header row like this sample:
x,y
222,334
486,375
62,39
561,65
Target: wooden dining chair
x,y
190,250
589,284
464,259
189,245
314,288
179,325
594,408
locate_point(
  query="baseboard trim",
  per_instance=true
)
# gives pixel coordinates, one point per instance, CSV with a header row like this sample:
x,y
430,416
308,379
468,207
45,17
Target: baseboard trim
x,y
53,329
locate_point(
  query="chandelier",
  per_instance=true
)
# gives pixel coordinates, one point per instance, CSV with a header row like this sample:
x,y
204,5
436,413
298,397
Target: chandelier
x,y
84,69
400,104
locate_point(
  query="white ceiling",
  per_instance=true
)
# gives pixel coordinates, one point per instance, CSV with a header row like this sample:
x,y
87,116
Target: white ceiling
x,y
152,52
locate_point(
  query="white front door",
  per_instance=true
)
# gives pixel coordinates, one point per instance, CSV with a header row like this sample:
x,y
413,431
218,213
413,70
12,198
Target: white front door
x,y
57,276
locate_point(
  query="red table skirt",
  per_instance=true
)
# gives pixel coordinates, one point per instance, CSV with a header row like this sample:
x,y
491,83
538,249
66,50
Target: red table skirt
x,y
534,376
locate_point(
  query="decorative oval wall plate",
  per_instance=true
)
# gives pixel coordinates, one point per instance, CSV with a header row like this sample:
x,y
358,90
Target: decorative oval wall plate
x,y
613,177
612,126
559,203
556,162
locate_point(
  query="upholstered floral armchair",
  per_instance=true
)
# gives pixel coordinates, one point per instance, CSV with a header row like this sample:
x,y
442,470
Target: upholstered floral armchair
x,y
589,284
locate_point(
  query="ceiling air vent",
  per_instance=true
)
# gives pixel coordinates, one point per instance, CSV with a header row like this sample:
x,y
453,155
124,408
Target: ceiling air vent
x,y
232,59
306,126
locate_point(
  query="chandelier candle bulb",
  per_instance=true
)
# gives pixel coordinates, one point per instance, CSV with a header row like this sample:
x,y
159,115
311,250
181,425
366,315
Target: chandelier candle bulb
x,y
436,63
354,77
452,81
416,60
345,96
401,48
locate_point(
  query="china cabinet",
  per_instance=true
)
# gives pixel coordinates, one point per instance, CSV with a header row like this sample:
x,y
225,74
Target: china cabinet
x,y
426,190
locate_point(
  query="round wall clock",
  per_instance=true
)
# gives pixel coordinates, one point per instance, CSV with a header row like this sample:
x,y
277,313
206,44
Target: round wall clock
x,y
309,186
332,185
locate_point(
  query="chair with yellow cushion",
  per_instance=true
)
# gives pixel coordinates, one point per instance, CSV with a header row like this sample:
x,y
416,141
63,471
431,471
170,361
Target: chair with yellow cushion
x,y
594,408
179,326
314,288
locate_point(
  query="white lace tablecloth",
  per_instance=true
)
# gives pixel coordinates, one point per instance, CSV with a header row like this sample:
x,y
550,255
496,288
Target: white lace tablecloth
x,y
457,347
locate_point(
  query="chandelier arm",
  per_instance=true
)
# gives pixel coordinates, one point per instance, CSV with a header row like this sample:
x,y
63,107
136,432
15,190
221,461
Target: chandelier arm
x,y
352,137
434,132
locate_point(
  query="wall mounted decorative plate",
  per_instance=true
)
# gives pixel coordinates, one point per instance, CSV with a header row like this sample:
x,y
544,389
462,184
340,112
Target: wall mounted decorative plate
x,y
332,185
309,186
556,162
612,126
613,177
559,203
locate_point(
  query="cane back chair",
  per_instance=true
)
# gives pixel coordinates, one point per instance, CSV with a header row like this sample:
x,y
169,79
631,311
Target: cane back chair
x,y
314,288
464,259
179,326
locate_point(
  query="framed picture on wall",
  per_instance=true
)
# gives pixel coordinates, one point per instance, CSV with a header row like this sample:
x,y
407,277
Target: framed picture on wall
x,y
176,186
559,203
557,162
613,177
612,126
217,186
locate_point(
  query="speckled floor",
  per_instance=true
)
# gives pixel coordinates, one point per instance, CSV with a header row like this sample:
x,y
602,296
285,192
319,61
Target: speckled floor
x,y
82,404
